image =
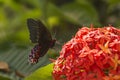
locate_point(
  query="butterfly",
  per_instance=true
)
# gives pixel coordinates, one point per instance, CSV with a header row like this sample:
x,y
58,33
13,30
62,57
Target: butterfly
x,y
42,38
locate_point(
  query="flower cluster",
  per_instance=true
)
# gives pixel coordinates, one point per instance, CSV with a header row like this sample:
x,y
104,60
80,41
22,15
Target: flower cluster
x,y
92,54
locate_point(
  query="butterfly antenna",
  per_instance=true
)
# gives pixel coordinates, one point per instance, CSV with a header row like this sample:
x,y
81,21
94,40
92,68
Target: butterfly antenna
x,y
54,37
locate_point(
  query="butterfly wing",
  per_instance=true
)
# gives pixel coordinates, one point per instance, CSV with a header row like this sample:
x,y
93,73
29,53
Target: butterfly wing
x,y
38,32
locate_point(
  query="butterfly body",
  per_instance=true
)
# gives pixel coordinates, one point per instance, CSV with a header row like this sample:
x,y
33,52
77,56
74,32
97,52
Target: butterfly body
x,y
40,35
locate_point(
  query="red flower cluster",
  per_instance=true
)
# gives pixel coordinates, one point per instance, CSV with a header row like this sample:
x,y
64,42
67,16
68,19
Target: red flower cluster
x,y
92,54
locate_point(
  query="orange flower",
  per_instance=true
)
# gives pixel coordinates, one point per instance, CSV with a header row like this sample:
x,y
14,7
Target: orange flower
x,y
116,61
105,48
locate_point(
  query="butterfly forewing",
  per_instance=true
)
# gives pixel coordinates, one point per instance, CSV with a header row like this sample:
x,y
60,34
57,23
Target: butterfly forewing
x,y
38,31
33,29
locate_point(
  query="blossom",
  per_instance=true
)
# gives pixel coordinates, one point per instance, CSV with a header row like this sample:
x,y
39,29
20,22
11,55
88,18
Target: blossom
x,y
92,54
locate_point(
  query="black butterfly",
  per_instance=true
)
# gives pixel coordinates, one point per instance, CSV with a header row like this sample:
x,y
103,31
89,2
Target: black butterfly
x,y
40,35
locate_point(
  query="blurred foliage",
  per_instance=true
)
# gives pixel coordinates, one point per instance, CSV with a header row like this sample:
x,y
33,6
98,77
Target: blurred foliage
x,y
62,17
4,78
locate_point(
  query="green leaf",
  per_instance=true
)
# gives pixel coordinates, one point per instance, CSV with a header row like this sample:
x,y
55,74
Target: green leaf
x,y
113,2
43,73
113,5
17,60
79,12
4,78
